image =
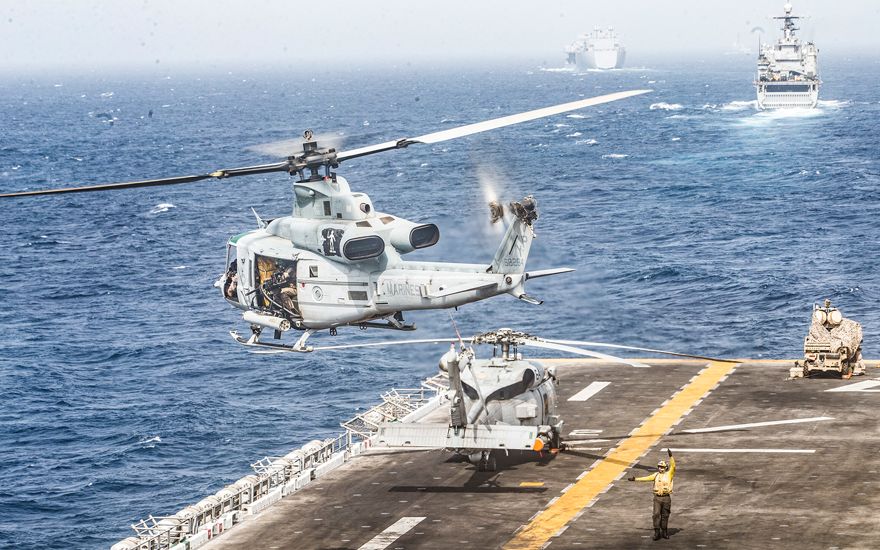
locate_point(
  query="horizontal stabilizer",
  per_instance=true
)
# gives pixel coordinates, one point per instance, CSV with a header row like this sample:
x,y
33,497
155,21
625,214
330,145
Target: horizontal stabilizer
x,y
547,272
449,290
472,436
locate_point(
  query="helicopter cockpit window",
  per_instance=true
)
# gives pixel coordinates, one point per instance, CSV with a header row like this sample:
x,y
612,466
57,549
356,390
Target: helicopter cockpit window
x,y
508,392
230,282
363,248
326,208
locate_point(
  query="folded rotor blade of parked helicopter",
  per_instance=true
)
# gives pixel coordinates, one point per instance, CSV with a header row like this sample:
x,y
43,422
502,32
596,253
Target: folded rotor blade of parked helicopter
x,y
578,351
461,131
634,348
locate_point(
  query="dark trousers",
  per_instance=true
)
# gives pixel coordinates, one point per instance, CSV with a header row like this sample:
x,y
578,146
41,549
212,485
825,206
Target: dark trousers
x,y
662,507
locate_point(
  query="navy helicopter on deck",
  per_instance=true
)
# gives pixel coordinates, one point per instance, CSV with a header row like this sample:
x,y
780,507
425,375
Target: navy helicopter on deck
x,y
336,261
496,405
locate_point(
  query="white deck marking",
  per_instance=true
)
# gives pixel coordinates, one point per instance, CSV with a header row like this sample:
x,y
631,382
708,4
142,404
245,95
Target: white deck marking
x,y
756,425
860,386
785,451
589,391
392,533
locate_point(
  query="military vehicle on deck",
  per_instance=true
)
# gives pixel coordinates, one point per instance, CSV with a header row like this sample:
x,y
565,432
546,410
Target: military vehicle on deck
x,y
833,344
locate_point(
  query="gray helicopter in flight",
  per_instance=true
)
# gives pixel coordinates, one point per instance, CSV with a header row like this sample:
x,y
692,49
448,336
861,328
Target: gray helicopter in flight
x,y
336,261
502,404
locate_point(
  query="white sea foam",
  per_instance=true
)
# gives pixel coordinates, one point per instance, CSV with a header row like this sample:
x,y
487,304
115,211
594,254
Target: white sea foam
x,y
675,139
180,267
561,125
614,156
763,117
575,115
586,142
107,94
162,207
557,69
150,442
666,106
576,134
740,105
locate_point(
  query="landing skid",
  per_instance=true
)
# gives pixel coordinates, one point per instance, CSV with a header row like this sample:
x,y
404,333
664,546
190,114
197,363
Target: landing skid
x,y
300,345
255,342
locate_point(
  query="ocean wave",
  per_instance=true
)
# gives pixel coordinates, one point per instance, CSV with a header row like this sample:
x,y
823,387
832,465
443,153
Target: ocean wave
x,y
740,105
762,117
576,134
586,142
666,106
556,69
614,156
575,115
162,207
833,103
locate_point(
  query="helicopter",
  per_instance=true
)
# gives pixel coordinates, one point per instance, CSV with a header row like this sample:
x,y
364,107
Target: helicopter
x,y
337,261
498,405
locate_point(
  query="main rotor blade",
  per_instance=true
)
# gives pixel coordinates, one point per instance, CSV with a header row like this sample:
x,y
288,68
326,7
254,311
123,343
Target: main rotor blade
x,y
578,351
478,127
226,173
634,348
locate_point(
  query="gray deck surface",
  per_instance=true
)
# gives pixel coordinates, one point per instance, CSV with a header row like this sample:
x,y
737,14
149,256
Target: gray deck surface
x,y
827,499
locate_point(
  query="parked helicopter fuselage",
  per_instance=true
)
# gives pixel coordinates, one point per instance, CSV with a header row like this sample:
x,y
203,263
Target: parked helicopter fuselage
x,y
516,392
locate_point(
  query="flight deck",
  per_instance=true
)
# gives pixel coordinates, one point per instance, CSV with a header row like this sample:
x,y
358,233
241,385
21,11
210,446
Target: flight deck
x,y
762,462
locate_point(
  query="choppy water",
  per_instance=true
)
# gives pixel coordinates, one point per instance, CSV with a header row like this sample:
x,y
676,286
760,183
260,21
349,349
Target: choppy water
x,y
695,223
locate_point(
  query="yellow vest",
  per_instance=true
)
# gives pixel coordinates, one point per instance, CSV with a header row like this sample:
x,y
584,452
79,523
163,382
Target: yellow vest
x,y
662,481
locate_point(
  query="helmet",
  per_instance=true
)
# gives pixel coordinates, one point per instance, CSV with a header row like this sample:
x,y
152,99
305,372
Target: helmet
x,y
662,464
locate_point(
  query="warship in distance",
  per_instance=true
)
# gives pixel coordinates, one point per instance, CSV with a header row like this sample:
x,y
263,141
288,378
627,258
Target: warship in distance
x,y
600,49
788,71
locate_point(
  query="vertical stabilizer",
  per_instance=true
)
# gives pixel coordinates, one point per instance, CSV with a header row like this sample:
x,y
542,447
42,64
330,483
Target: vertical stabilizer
x,y
514,249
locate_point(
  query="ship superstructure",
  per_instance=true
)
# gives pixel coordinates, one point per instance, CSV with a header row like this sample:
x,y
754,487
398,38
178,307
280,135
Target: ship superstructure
x,y
600,49
788,71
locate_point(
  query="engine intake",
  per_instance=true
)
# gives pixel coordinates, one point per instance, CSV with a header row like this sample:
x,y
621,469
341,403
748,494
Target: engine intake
x,y
409,236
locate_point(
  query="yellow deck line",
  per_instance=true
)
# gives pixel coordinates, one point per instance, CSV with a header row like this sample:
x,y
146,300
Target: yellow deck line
x,y
556,516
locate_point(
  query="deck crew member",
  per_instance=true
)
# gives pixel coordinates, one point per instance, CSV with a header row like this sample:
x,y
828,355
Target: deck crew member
x,y
662,488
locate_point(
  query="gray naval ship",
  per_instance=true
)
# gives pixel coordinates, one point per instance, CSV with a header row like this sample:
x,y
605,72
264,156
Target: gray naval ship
x,y
788,71
600,49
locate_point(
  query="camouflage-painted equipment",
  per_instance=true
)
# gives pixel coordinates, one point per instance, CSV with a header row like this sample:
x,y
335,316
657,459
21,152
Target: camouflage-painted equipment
x,y
833,343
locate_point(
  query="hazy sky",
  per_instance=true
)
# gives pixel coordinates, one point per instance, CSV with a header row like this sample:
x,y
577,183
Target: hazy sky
x,y
212,33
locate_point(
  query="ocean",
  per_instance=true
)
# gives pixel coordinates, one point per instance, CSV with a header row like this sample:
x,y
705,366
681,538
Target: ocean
x,y
694,222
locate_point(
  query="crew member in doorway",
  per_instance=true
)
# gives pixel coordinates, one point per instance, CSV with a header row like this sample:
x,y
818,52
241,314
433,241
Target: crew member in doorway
x,y
662,488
